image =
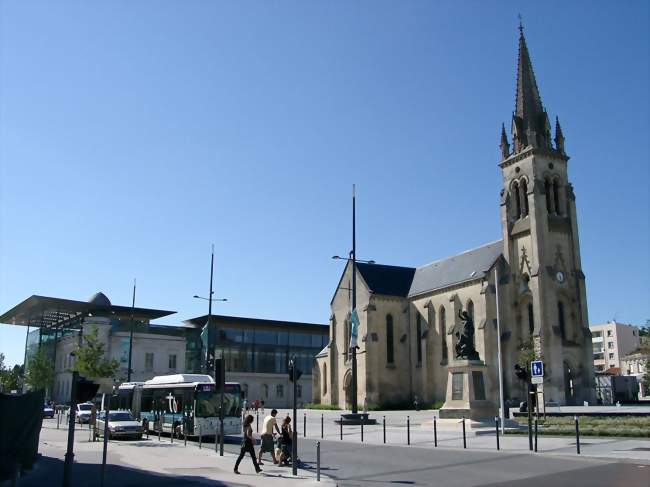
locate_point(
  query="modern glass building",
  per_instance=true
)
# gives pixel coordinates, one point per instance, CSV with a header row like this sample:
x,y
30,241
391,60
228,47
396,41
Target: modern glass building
x,y
257,354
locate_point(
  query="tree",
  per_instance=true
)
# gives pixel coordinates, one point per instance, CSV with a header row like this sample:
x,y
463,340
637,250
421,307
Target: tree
x,y
40,372
89,358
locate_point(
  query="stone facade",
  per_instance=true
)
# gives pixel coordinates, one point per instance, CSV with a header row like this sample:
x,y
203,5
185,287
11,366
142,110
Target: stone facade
x,y
407,333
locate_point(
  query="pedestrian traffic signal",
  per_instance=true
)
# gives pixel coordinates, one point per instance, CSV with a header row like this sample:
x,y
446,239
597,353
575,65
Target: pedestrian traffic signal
x,y
86,390
294,371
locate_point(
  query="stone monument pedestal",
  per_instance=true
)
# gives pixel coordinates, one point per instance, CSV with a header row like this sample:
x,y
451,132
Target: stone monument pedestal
x,y
466,393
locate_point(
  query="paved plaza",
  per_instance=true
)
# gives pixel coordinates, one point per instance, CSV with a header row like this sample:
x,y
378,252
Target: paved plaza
x,y
349,462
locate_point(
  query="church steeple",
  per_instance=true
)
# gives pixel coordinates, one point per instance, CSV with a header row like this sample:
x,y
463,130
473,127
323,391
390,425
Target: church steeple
x,y
530,125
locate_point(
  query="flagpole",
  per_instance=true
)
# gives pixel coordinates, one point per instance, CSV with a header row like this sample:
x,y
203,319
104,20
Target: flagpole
x,y
501,404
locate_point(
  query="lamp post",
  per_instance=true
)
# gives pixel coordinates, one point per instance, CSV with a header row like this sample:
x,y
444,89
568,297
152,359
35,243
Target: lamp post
x,y
353,258
131,334
222,373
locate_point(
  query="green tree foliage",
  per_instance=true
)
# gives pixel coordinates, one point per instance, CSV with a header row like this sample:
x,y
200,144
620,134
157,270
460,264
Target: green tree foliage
x,y
526,354
40,372
89,358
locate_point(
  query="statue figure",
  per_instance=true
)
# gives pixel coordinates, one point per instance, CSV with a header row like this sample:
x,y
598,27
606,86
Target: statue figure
x,y
465,345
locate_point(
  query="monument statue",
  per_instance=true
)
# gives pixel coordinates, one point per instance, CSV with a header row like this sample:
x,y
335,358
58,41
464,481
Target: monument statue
x,y
465,345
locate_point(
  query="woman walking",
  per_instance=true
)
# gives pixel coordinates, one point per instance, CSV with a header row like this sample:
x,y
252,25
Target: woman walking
x,y
248,444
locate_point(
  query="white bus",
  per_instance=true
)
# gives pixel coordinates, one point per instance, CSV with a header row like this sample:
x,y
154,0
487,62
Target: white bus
x,y
166,401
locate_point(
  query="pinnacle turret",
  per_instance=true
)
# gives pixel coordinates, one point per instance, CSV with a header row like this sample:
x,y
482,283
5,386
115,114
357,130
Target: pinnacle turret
x,y
505,146
559,137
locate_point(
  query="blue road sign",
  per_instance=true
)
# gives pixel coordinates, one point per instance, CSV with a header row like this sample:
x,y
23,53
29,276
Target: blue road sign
x,y
537,368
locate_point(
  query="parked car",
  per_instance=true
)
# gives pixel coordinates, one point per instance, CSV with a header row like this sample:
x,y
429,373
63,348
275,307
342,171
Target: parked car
x,y
48,411
120,425
83,412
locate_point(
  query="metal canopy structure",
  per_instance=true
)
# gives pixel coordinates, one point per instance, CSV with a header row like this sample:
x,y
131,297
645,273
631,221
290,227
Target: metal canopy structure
x,y
54,313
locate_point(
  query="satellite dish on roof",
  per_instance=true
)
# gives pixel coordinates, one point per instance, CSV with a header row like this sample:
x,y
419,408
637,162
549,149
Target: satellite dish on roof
x,y
100,299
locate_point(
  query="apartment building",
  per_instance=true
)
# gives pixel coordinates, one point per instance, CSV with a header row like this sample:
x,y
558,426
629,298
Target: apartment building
x,y
611,342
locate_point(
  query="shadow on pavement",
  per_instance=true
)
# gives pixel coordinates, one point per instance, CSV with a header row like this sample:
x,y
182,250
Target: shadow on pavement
x,y
49,471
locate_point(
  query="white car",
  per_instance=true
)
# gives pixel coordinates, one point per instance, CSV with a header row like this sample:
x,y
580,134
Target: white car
x,y
120,425
83,412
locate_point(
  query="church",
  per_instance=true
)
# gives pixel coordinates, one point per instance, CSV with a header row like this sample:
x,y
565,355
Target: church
x,y
410,318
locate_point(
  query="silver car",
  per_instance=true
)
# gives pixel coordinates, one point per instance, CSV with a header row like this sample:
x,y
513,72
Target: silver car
x,y
120,425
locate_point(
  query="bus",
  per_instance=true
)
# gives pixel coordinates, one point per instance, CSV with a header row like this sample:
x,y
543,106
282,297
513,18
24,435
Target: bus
x,y
166,401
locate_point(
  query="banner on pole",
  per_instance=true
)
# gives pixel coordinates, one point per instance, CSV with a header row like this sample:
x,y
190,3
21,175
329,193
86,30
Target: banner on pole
x,y
354,330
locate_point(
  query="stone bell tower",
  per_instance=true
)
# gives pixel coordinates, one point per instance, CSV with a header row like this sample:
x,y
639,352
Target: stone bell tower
x,y
545,285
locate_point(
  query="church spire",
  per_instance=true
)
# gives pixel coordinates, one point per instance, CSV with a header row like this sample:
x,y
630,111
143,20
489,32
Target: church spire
x,y
530,126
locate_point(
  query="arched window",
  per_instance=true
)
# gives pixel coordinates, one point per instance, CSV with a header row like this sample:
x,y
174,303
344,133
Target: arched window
x,y
324,379
531,319
390,340
560,318
418,338
470,309
524,197
279,390
265,391
549,196
517,198
556,196
443,331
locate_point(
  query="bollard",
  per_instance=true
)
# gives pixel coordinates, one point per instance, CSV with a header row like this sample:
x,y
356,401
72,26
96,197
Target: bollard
x,y
384,422
535,434
318,461
58,418
200,438
216,443
185,430
304,426
322,423
577,435
361,429
341,424
464,436
159,431
435,432
496,423
408,430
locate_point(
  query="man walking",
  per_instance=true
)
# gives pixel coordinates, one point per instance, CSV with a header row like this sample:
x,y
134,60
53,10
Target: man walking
x,y
267,436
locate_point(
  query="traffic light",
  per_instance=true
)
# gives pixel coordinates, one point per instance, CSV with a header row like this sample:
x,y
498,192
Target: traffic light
x,y
86,390
297,372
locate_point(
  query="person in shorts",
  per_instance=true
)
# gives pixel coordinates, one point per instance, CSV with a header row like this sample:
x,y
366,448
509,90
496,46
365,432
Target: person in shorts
x,y
267,436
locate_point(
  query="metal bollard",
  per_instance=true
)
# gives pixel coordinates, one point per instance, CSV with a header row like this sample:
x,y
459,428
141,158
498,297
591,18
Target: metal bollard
x,y
200,438
577,435
408,430
341,424
384,423
318,461
322,427
435,432
304,426
361,429
496,423
58,418
185,430
535,434
216,442
159,431
464,436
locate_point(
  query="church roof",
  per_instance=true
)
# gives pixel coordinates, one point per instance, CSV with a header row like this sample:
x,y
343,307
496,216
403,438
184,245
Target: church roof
x,y
387,279
466,266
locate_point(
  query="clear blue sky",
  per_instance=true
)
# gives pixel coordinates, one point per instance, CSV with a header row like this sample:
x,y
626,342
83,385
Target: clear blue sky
x,y
135,134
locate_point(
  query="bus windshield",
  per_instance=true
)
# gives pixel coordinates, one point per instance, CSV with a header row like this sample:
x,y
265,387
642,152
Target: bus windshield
x,y
207,402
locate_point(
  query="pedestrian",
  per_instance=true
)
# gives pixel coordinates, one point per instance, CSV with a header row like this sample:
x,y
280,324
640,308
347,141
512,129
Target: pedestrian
x,y
286,441
245,406
416,404
267,436
247,445
365,405
262,406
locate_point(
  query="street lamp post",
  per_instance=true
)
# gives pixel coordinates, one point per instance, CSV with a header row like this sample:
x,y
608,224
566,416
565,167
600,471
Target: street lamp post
x,y
222,373
131,334
353,258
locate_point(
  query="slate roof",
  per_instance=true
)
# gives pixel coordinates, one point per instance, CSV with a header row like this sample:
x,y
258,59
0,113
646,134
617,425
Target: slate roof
x,y
387,279
469,265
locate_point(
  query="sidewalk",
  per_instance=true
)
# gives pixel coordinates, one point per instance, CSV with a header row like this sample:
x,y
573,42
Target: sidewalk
x,y
450,436
153,462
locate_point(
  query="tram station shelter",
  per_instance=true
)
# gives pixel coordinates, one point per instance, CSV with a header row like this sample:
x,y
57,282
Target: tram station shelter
x,y
256,351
